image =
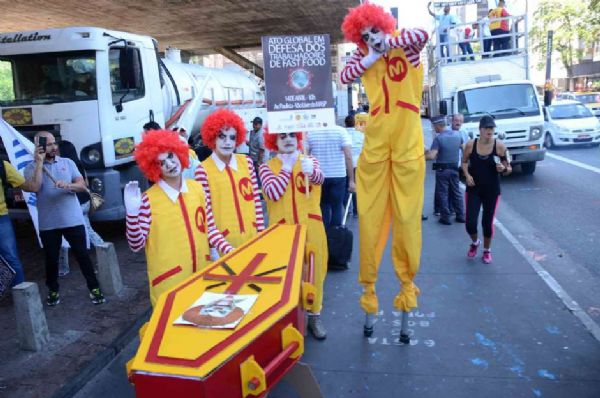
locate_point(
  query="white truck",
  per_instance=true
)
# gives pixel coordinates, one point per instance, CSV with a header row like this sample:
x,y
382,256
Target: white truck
x,y
496,84
97,88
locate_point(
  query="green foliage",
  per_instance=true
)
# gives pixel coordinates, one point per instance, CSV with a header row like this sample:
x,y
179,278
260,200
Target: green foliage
x,y
573,22
6,82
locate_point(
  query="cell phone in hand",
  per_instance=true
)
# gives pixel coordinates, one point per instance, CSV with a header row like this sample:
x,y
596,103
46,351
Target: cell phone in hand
x,y
42,142
497,159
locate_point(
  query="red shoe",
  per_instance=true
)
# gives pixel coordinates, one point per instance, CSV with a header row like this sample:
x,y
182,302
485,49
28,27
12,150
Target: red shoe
x,y
487,257
473,249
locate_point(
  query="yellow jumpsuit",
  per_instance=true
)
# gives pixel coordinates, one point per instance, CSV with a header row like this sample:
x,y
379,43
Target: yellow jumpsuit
x,y
233,200
177,244
390,176
294,207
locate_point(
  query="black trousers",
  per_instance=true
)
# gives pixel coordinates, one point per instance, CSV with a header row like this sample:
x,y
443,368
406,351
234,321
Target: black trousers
x,y
52,239
475,200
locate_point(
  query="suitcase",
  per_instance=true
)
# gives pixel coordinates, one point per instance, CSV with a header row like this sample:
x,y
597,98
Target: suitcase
x,y
339,243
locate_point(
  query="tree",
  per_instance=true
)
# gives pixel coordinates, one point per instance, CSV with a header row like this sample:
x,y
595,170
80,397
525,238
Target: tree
x,y
574,22
6,82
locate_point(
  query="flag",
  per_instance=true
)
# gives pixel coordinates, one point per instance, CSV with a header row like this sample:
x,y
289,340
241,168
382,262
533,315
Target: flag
x,y
20,154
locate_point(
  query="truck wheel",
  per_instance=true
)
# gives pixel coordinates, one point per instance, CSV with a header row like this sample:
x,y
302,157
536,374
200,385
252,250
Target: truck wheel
x,y
528,168
548,143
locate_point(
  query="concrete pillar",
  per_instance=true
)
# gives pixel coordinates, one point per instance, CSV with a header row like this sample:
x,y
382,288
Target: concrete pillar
x,y
109,273
31,319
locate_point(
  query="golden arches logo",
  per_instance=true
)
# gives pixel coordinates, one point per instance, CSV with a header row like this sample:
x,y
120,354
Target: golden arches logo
x,y
300,182
245,188
397,69
201,219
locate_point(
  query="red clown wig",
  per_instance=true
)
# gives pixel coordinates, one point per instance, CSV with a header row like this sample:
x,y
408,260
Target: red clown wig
x,y
153,144
365,15
216,121
271,140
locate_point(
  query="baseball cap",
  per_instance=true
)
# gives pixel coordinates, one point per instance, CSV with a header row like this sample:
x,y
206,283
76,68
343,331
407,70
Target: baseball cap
x,y
486,122
257,120
439,119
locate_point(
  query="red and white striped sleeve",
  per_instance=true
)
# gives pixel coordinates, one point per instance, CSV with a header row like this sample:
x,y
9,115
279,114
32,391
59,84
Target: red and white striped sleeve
x,y
215,236
274,186
137,227
354,68
258,209
317,177
412,41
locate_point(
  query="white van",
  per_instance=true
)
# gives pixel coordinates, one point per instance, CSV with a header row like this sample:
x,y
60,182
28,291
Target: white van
x,y
568,122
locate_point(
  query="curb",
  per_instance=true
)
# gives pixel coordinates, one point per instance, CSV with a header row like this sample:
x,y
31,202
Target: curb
x,y
103,358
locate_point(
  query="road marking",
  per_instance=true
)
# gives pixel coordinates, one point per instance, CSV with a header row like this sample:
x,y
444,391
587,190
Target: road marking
x,y
573,162
553,284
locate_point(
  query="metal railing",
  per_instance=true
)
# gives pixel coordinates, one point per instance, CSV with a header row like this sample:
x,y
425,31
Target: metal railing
x,y
518,38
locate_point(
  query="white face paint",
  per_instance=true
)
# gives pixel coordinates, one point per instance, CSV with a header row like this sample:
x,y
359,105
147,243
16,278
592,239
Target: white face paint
x,y
287,142
373,37
225,143
170,166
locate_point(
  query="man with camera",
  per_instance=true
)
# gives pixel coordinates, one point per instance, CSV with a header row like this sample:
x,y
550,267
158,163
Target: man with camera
x,y
445,149
60,215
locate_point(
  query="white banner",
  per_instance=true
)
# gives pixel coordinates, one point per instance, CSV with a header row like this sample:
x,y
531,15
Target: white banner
x,y
20,150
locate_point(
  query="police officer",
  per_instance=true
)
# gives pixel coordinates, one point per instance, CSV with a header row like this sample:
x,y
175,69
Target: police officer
x,y
445,150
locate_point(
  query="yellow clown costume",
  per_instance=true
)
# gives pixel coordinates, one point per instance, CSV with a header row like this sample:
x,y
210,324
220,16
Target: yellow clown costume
x,y
235,196
391,169
287,203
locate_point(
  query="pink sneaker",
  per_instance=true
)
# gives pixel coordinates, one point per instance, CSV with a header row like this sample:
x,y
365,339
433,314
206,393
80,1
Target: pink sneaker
x,y
473,249
487,257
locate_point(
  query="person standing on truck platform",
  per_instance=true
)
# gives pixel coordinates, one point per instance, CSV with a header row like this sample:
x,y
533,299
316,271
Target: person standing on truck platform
x,y
173,219
445,22
10,176
500,27
391,169
60,215
445,149
256,144
483,161
230,180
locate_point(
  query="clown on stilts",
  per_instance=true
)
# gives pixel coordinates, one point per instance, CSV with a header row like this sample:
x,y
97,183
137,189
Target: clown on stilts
x,y
231,181
391,168
284,185
173,219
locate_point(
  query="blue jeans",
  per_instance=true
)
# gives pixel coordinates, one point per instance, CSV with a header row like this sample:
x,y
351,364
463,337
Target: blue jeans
x,y
8,248
332,200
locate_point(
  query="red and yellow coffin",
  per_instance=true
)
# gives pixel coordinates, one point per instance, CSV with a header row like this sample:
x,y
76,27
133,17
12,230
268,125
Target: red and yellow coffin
x,y
185,361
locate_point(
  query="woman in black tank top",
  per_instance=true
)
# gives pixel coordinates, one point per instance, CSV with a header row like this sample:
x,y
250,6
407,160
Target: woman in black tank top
x,y
483,160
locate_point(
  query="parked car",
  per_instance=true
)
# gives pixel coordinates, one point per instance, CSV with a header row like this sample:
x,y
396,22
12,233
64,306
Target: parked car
x,y
591,100
568,122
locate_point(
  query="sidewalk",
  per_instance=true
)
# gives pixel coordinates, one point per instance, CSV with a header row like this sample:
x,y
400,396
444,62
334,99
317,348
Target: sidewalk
x,y
83,336
480,330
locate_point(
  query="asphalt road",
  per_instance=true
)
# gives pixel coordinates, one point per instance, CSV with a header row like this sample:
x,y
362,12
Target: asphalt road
x,y
501,330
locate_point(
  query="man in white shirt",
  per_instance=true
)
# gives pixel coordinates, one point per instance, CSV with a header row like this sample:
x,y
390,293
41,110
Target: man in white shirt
x,y
445,21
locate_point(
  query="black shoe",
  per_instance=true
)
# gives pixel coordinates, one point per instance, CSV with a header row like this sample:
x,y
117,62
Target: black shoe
x,y
460,220
53,298
424,217
96,296
338,267
445,222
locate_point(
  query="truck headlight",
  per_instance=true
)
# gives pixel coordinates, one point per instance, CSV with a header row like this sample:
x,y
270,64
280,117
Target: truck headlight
x,y
96,185
535,132
91,156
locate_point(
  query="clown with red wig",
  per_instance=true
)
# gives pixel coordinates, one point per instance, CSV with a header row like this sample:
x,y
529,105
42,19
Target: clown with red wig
x,y
391,168
283,178
173,219
231,180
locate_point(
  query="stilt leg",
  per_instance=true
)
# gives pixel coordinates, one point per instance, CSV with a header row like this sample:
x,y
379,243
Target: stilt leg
x,y
370,320
404,337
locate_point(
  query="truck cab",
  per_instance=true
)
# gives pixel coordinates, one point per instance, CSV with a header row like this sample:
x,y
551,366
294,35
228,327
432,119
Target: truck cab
x,y
491,83
97,88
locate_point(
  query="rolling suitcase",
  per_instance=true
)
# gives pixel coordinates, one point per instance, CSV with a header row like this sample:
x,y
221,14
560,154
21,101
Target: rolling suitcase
x,y
339,243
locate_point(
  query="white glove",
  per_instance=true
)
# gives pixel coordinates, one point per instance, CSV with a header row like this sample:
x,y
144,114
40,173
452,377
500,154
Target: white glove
x,y
370,58
132,197
307,166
